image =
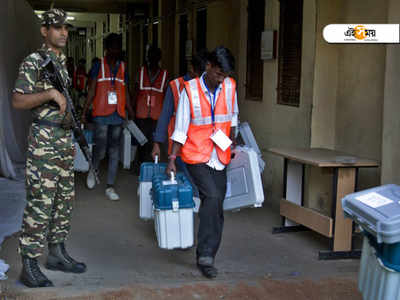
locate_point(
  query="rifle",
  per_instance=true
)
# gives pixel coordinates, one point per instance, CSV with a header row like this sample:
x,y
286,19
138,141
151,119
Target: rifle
x,y
52,73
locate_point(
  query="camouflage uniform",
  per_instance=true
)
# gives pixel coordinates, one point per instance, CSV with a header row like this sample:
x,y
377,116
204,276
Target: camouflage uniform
x,y
49,164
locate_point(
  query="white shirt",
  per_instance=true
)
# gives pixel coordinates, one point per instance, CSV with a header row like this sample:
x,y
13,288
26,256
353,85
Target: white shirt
x,y
183,121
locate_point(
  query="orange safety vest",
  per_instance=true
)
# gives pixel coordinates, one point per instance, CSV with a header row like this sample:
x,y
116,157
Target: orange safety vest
x,y
177,86
79,79
151,96
199,146
104,85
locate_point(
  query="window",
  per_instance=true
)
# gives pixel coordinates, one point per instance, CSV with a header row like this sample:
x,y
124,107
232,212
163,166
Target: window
x,y
290,40
255,65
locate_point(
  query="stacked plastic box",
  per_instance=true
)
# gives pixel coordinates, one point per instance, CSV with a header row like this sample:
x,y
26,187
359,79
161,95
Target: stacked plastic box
x,y
147,171
80,162
377,211
375,279
173,211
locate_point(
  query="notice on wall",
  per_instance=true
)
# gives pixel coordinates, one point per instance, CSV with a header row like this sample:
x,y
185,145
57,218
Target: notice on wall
x,y
374,200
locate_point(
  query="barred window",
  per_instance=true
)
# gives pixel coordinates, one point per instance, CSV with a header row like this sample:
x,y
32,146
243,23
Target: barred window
x,y
289,63
255,65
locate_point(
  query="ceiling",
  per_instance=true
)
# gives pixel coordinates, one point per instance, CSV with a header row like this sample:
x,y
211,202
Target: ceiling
x,y
98,6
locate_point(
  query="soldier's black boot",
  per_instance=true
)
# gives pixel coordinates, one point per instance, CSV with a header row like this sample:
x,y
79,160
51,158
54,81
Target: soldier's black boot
x,y
31,274
59,260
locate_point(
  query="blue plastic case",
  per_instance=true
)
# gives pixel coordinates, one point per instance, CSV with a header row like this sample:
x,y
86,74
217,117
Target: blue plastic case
x,y
149,169
381,224
164,194
382,221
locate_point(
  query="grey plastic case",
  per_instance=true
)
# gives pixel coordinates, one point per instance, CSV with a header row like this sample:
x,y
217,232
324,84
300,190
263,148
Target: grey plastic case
x,y
377,210
244,185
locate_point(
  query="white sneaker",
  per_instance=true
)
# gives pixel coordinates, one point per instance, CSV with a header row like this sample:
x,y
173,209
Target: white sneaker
x,y
91,180
111,194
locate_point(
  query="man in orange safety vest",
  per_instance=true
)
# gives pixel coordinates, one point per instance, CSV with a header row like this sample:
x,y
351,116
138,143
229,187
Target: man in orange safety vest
x,y
206,113
108,92
151,84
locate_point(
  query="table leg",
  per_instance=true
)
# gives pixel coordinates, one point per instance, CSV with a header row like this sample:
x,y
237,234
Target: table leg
x,y
344,183
293,190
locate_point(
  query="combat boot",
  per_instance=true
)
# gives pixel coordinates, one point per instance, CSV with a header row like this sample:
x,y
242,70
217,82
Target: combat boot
x,y
31,275
59,260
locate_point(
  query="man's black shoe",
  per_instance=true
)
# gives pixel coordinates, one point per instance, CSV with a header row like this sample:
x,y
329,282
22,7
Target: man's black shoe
x,y
209,272
31,275
59,260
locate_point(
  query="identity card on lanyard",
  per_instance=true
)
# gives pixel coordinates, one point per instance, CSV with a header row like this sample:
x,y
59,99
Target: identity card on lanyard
x,y
112,95
218,136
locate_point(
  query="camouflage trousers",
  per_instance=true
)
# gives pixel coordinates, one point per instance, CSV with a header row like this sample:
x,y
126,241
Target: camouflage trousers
x,y
49,189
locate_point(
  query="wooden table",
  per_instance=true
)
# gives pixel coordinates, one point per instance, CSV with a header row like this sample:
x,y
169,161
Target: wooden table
x,y
345,172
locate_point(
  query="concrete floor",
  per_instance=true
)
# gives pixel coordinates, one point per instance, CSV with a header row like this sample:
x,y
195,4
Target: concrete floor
x,y
124,261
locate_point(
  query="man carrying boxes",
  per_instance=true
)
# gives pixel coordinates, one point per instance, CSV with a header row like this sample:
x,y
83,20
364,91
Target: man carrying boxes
x,y
166,122
206,113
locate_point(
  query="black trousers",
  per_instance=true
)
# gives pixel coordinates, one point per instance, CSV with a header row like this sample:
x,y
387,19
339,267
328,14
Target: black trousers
x,y
212,188
147,126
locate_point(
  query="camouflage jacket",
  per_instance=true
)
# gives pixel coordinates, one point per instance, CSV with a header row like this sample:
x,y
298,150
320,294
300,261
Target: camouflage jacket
x,y
30,80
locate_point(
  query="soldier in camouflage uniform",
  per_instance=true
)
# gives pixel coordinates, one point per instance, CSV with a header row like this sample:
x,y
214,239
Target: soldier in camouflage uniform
x,y
49,164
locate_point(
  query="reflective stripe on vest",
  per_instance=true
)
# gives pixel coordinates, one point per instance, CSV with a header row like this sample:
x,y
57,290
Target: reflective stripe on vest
x,y
229,94
101,107
198,147
198,119
104,78
195,100
151,88
151,95
177,86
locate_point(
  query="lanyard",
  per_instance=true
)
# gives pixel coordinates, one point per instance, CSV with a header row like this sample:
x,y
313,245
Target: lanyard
x,y
114,72
212,101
